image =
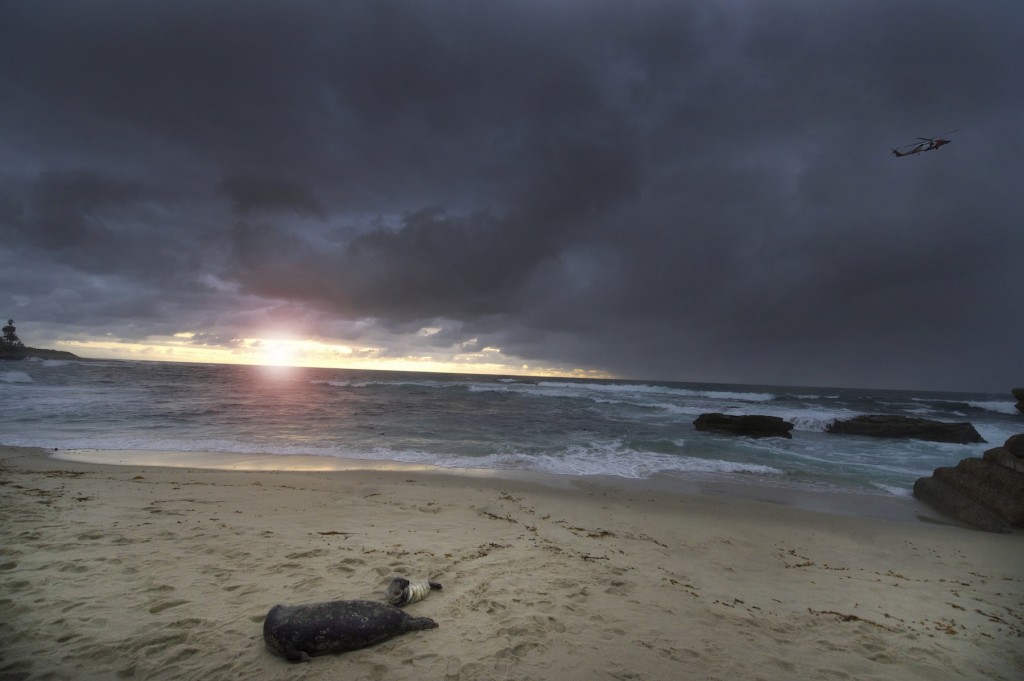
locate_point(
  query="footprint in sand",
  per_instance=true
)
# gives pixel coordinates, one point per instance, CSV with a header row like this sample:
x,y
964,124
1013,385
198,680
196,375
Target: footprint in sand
x,y
310,583
231,587
517,650
494,606
165,605
349,564
425,660
549,623
619,588
307,554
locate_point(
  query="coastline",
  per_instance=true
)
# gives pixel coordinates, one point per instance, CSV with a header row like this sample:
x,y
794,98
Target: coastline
x,y
42,353
881,505
131,571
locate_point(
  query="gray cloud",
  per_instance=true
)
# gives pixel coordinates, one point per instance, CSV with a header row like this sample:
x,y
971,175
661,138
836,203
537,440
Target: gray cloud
x,y
250,194
678,190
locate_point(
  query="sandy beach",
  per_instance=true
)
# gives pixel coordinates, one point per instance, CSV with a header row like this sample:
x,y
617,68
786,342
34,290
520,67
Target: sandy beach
x,y
140,572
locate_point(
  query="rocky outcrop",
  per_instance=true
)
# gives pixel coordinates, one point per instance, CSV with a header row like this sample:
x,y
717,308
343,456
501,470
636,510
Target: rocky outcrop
x,y
1019,394
750,424
45,353
1003,457
950,501
906,427
1015,445
42,353
986,493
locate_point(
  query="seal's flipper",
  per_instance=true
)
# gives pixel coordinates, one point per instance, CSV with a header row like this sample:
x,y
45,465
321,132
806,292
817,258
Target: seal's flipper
x,y
435,586
420,623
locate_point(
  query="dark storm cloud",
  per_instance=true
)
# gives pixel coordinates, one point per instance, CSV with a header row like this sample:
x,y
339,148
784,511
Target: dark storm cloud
x,y
688,190
62,213
249,194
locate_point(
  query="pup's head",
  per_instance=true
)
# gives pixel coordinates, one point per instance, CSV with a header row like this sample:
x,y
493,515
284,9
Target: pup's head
x,y
396,590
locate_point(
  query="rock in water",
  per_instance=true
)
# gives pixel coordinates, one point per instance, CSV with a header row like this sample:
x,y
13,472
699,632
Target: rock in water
x,y
754,425
298,632
887,425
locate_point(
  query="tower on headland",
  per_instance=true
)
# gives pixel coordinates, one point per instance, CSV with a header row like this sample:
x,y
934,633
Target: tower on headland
x,y
10,337
11,346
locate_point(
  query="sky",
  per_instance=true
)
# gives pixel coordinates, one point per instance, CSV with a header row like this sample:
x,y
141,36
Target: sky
x,y
663,189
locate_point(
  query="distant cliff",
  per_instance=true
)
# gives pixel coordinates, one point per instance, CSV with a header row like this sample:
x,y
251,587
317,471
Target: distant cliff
x,y
12,348
46,353
41,353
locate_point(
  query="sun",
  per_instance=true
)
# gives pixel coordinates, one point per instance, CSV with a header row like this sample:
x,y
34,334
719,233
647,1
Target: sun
x,y
278,354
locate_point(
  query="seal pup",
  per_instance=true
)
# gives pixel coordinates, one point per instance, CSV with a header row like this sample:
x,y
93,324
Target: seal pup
x,y
402,591
298,632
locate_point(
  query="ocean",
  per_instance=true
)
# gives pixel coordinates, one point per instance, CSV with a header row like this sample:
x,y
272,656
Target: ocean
x,y
626,428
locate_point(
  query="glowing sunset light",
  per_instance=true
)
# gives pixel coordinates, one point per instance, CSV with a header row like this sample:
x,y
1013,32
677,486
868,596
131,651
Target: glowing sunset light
x,y
277,353
293,352
283,352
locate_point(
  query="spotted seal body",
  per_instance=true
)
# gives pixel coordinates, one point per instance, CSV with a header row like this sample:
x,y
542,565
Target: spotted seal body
x,y
298,632
402,591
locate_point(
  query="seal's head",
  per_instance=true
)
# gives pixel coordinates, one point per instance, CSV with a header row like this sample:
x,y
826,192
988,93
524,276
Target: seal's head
x,y
398,591
404,591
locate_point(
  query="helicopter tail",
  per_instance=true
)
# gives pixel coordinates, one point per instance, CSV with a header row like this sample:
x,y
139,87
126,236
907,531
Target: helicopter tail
x,y
897,153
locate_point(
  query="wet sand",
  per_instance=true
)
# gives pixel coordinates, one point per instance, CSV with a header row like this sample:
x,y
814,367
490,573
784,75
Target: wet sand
x,y
114,571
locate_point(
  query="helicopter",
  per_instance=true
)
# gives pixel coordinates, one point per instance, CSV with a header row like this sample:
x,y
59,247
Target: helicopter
x,y
925,144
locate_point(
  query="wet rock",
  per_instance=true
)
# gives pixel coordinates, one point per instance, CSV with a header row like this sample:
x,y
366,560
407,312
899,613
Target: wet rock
x,y
906,427
1019,394
753,425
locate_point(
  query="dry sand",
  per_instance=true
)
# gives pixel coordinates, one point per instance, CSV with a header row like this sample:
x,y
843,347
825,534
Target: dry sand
x,y
129,572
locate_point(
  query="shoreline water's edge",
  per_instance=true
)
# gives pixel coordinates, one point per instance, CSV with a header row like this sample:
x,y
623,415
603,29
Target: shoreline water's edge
x,y
880,506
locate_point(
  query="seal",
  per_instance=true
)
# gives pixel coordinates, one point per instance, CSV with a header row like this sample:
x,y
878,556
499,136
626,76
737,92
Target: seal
x,y
298,632
402,591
